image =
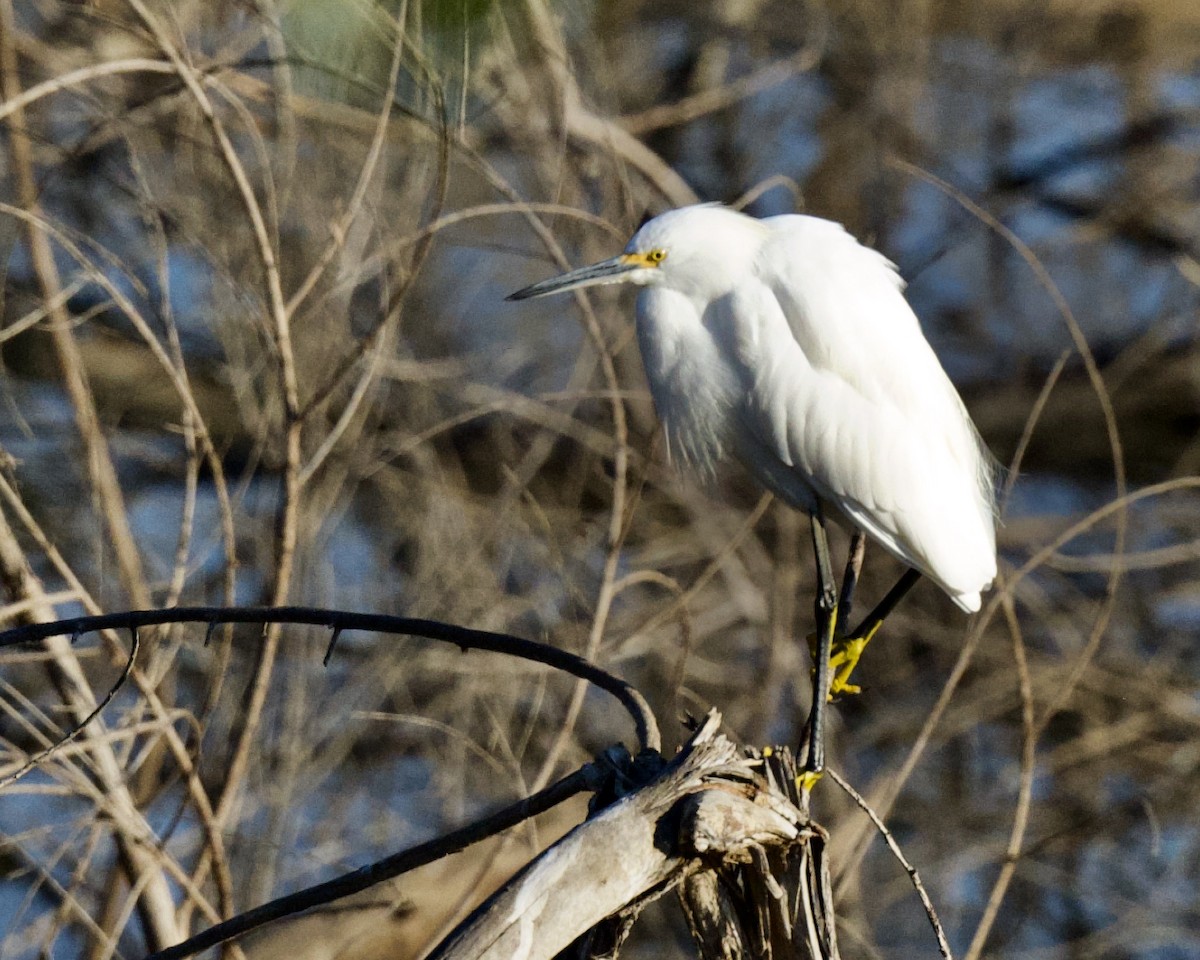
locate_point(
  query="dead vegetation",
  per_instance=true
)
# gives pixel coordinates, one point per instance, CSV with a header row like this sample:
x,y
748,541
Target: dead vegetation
x,y
255,352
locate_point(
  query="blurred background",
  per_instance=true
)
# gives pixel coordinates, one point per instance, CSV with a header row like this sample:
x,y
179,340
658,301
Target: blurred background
x,y
255,350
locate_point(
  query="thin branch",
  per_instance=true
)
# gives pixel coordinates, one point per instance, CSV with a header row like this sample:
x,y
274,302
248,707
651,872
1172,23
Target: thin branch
x,y
398,300
1031,422
177,375
711,569
80,726
130,830
42,611
102,473
340,621
586,778
718,98
287,528
83,75
340,228
913,875
1029,739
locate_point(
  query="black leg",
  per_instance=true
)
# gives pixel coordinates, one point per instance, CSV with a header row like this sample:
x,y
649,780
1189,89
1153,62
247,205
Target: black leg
x,y
850,646
826,615
873,620
854,562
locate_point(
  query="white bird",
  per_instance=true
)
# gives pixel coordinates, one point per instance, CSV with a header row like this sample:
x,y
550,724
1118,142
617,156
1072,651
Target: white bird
x,y
788,345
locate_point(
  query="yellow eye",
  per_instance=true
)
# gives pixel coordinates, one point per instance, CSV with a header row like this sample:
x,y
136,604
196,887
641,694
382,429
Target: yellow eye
x,y
657,255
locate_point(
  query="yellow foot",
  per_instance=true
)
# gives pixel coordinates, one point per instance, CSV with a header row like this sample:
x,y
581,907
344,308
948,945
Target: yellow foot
x,y
807,780
842,661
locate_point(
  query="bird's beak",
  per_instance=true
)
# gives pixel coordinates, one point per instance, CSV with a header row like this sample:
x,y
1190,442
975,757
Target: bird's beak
x,y
606,271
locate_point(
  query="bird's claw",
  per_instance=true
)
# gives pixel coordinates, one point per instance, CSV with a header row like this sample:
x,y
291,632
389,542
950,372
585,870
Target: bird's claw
x,y
843,659
845,656
807,780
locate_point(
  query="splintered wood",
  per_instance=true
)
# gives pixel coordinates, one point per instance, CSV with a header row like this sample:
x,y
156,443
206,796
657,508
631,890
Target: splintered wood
x,y
722,825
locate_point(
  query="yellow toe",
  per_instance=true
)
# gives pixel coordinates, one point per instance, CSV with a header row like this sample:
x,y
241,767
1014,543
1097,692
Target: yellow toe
x,y
807,780
843,662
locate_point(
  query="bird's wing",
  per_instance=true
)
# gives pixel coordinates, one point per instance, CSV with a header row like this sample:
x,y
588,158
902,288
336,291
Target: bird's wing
x,y
842,387
845,306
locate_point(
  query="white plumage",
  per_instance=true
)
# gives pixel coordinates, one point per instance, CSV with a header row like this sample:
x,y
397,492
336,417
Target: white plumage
x,y
787,344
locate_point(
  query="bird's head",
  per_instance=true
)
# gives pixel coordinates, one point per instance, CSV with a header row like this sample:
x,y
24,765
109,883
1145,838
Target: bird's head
x,y
698,249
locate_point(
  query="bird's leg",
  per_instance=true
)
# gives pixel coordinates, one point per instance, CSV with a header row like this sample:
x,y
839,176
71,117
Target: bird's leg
x,y
854,562
839,653
826,615
843,656
850,647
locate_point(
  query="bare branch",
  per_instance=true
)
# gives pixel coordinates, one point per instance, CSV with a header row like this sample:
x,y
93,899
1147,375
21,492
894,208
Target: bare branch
x,y
387,868
340,621
913,875
80,726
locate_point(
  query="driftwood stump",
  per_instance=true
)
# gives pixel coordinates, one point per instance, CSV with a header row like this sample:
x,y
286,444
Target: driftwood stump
x,y
723,826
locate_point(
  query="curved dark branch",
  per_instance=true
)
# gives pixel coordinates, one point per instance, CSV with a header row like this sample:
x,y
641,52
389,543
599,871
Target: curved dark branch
x,y
340,621
77,729
585,778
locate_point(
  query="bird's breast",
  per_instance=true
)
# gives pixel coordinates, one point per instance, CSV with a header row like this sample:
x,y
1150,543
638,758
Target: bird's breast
x,y
693,387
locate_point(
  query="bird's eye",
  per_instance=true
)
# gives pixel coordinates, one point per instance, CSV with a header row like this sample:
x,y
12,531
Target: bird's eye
x,y
657,255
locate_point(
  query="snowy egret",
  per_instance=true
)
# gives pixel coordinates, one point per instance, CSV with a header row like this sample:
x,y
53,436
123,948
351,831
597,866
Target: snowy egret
x,y
788,345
